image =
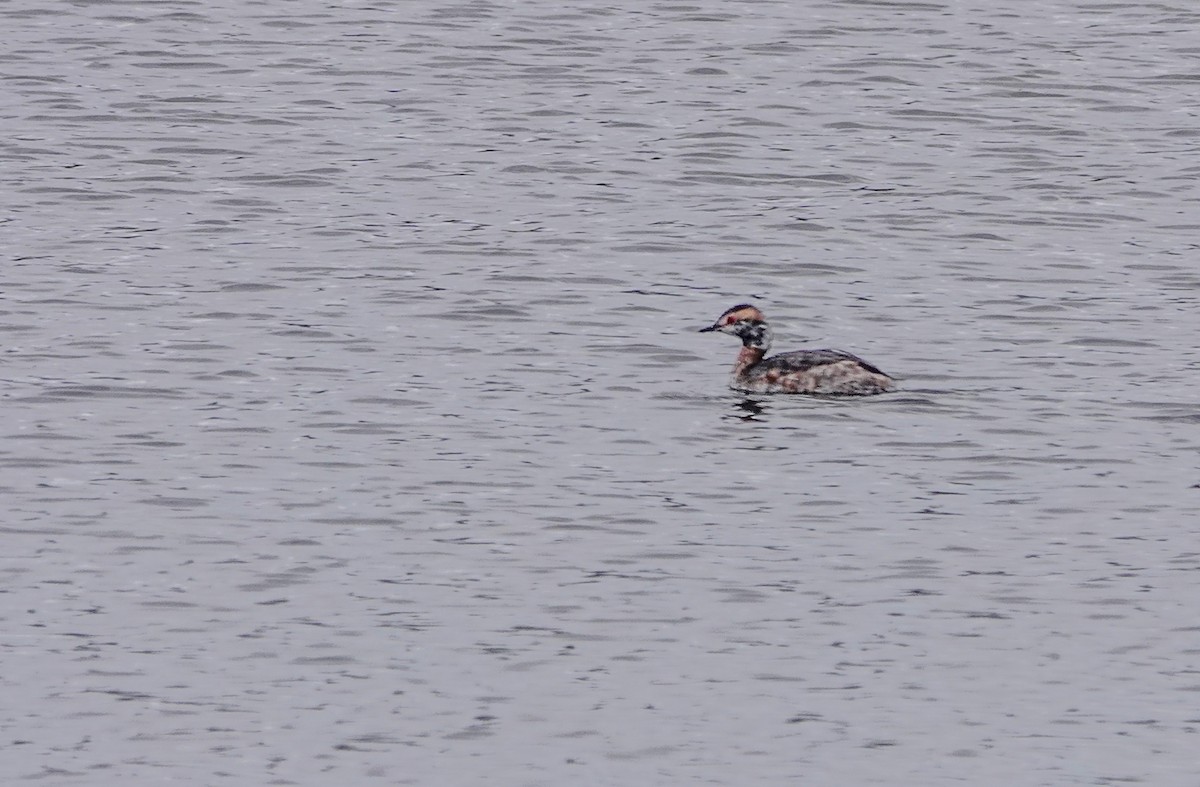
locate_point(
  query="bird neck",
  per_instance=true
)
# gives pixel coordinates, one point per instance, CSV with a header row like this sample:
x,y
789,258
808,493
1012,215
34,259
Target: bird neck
x,y
747,358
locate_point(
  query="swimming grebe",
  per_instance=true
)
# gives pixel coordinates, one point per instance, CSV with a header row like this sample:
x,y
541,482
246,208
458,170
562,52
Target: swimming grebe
x,y
804,371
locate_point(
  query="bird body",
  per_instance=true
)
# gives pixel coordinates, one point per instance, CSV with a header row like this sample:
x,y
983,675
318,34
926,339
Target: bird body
x,y
803,371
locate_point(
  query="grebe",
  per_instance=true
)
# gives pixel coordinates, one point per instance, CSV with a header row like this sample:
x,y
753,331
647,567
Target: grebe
x,y
803,371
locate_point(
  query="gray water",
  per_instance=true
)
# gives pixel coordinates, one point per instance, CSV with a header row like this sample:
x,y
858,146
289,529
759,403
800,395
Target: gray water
x,y
357,430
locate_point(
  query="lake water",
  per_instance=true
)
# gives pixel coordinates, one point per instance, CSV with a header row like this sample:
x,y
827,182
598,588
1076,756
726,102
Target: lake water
x,y
357,428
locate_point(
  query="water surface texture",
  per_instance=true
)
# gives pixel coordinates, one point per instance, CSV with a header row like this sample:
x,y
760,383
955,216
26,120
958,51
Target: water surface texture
x,y
357,429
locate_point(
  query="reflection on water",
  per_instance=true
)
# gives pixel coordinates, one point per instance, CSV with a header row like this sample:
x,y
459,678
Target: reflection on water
x,y
749,409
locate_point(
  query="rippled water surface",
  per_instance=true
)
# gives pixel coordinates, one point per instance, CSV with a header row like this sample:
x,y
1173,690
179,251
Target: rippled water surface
x,y
357,429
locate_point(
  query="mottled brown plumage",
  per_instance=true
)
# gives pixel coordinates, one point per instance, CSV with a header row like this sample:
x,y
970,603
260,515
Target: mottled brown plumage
x,y
803,371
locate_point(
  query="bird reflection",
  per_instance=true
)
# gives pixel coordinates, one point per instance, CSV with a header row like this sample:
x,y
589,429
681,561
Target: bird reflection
x,y
749,410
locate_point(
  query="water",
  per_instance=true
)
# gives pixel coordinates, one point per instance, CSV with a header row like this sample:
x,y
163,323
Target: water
x,y
358,429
